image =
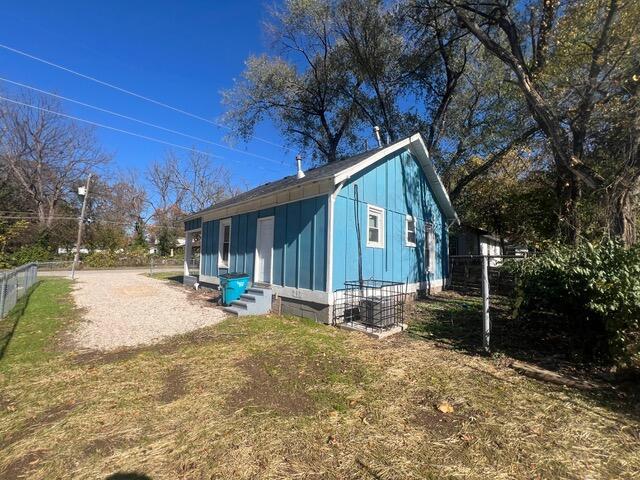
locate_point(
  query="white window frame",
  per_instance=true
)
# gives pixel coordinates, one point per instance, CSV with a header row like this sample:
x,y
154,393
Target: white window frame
x,y
408,219
379,212
431,244
223,223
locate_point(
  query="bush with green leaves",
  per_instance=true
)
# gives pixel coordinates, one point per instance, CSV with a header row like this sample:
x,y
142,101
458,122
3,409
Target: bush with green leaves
x,y
111,259
595,288
30,253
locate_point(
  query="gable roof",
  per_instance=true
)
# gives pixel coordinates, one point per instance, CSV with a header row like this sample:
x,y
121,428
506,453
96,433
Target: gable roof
x,y
341,170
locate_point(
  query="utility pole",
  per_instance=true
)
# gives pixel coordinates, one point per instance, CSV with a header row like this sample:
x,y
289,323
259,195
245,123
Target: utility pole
x,y
76,257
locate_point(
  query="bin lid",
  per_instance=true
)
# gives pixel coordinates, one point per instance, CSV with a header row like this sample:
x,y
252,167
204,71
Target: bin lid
x,y
234,275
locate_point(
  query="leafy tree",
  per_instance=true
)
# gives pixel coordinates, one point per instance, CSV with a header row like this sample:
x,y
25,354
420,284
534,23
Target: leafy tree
x,y
570,60
307,89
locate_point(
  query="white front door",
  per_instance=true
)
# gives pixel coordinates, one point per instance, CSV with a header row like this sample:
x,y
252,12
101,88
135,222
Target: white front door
x,y
264,250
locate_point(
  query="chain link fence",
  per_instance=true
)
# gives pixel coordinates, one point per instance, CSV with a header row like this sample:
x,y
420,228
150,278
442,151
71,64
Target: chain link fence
x,y
14,284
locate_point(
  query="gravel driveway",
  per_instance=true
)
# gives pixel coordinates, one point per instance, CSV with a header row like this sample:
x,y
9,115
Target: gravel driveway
x,y
125,309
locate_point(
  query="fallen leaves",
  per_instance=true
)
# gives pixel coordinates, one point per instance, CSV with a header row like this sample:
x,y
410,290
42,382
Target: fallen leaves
x,y
445,407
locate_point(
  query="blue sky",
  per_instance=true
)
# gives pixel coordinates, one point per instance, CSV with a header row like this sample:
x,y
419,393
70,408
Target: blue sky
x,y
180,53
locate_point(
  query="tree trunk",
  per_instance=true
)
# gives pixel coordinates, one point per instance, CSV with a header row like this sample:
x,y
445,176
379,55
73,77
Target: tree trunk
x,y
569,191
624,221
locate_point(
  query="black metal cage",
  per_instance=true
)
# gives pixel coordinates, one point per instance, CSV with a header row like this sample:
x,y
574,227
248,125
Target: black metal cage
x,y
373,304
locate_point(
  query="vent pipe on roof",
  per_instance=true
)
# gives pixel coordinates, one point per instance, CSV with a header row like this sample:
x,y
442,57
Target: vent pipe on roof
x,y
300,173
376,131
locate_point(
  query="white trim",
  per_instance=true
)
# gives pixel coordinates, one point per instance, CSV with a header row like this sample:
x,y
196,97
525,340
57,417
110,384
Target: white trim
x,y
324,298
380,213
223,223
410,288
255,254
322,186
358,167
330,220
296,193
210,279
417,147
316,296
430,247
407,243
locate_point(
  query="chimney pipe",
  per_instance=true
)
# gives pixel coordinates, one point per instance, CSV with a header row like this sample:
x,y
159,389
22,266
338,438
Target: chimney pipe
x,y
300,173
376,131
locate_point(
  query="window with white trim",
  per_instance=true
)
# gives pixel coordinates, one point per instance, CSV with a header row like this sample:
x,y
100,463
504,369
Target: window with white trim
x,y
375,227
224,243
431,248
410,231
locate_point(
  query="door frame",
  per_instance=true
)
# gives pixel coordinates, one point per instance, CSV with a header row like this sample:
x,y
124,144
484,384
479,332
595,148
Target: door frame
x,y
272,218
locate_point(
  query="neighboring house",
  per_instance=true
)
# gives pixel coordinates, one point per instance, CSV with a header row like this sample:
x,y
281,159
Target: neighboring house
x,y
154,249
467,240
299,234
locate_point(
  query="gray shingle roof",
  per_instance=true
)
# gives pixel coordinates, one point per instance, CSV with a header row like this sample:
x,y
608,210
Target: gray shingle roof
x,y
311,175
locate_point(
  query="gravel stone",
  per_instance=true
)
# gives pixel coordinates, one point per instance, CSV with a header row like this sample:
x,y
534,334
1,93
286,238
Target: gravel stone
x,y
127,309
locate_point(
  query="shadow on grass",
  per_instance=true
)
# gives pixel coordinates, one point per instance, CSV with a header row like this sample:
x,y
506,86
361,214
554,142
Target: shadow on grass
x,y
9,324
455,320
176,279
128,476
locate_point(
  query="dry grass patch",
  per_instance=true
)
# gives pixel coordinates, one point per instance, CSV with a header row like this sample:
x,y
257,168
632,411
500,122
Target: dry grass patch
x,y
272,397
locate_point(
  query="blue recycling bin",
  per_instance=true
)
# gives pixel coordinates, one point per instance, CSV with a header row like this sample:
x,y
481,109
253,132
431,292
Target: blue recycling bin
x,y
232,286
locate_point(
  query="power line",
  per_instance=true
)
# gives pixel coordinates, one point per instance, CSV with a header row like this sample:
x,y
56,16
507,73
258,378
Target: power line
x,y
57,217
127,117
129,92
96,124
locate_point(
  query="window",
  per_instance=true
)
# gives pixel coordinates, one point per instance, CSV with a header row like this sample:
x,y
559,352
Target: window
x,y
224,244
375,227
431,248
410,232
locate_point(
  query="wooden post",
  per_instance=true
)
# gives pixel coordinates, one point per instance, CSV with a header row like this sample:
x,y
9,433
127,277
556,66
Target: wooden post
x,y
76,257
486,320
188,253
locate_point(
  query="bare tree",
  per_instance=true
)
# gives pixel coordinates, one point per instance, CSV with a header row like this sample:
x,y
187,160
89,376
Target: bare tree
x,y
186,185
46,154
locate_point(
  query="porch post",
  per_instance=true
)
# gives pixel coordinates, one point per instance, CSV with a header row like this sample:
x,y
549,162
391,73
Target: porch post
x,y
187,252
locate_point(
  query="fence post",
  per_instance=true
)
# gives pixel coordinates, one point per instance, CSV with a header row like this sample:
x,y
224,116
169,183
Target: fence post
x,y
3,292
486,320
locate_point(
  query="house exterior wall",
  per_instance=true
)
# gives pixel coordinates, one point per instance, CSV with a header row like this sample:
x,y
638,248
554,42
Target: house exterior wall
x,y
398,185
193,224
299,244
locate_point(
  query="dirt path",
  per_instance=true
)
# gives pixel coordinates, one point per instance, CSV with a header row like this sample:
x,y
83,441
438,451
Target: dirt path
x,y
126,309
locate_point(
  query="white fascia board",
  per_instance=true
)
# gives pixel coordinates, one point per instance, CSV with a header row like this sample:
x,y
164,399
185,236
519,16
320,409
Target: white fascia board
x,y
358,167
282,197
417,147
419,150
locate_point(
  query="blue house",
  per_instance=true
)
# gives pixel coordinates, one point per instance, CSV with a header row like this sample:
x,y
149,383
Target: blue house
x,y
299,234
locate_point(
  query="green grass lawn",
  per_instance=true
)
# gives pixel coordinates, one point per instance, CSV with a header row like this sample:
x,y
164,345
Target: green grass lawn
x,y
276,397
27,333
171,276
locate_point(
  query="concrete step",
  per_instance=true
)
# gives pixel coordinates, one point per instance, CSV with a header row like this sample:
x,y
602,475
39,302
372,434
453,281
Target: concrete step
x,y
248,298
239,304
257,291
234,311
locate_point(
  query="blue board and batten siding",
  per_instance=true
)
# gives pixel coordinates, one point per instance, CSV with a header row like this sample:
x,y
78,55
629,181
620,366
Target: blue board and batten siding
x,y
193,224
299,244
399,186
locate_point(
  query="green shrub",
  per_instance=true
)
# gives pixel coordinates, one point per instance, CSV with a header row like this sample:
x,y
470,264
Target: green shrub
x,y
105,259
111,259
30,253
594,288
